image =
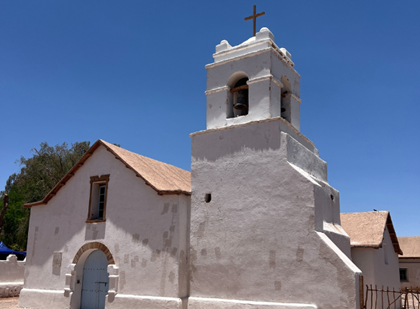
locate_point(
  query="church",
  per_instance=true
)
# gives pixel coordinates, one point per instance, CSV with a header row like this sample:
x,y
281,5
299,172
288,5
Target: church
x,y
254,225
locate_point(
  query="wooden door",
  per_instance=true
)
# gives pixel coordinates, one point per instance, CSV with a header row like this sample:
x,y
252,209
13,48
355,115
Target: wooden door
x,y
95,281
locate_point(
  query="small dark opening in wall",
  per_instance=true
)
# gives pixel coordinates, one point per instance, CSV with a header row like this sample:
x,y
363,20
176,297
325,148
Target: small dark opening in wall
x,y
207,197
332,197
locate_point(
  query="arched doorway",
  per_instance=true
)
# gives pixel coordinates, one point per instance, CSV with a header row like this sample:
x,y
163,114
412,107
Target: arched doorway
x,y
95,282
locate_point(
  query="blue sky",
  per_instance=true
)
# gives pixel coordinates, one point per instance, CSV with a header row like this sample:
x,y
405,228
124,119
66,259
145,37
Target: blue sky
x,y
132,73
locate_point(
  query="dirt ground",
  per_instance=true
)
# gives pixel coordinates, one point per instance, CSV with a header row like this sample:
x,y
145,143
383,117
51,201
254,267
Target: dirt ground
x,y
9,303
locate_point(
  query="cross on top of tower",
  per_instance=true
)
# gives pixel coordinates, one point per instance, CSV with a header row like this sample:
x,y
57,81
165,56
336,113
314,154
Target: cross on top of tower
x,y
254,18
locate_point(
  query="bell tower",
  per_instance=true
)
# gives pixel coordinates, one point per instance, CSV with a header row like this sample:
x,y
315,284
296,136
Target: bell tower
x,y
239,91
265,223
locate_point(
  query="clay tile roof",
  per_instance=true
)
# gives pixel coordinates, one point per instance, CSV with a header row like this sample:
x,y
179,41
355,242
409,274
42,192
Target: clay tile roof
x,y
162,177
366,229
410,246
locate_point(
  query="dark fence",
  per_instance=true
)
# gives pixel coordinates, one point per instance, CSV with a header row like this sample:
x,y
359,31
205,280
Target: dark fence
x,y
382,298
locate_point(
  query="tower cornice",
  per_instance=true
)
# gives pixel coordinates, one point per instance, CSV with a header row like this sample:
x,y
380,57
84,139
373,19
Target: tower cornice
x,y
242,52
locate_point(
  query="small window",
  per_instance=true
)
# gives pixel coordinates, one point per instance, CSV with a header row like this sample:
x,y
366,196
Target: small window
x,y
385,254
97,201
403,274
207,197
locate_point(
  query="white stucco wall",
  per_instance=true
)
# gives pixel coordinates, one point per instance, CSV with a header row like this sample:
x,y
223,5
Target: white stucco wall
x,y
258,241
376,272
11,276
146,233
413,272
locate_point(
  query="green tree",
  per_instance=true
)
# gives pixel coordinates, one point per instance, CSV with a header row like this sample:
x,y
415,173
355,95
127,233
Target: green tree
x,y
38,175
15,221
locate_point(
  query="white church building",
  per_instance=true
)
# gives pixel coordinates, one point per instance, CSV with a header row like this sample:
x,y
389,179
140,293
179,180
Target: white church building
x,y
254,225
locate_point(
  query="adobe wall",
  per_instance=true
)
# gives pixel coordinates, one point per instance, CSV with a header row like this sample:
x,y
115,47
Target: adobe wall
x,y
11,276
386,264
145,233
259,241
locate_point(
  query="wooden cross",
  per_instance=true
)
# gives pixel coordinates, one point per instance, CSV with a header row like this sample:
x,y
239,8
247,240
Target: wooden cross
x,y
254,18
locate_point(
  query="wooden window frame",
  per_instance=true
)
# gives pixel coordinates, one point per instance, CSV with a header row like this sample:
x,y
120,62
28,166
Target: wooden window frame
x,y
97,180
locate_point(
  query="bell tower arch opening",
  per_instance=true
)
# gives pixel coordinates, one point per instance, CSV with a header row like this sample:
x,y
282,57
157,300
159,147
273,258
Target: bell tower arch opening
x,y
245,84
286,92
238,103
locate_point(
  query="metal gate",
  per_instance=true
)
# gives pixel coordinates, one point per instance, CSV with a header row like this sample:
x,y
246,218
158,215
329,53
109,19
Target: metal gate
x,y
95,281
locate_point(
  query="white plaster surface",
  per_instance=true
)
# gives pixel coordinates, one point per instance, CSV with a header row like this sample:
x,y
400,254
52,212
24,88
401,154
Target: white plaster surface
x,y
146,233
11,276
10,289
261,237
209,303
11,270
134,301
42,299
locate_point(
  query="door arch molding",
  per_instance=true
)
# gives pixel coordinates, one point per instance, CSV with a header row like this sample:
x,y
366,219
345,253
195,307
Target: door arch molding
x,y
74,275
95,245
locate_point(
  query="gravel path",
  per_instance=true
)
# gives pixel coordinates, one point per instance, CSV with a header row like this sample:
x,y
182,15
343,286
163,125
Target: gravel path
x,y
9,303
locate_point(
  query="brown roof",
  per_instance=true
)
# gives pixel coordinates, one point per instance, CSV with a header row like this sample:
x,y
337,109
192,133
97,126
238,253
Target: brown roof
x,y
162,177
366,229
410,246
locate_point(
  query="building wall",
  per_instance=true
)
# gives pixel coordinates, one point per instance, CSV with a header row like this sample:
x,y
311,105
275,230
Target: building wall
x,y
364,258
413,272
146,233
379,266
386,264
258,241
11,276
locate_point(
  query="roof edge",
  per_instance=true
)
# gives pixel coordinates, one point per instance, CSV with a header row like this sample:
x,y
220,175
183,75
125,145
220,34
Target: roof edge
x,y
393,235
29,205
80,163
391,231
366,246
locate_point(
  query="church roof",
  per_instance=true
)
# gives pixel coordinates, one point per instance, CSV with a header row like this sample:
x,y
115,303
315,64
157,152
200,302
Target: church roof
x,y
162,177
410,247
366,229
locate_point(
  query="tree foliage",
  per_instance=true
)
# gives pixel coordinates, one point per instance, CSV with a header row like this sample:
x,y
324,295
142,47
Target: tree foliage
x,y
37,176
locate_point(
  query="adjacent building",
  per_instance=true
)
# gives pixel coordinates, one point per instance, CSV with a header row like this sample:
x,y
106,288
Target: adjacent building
x,y
409,262
374,249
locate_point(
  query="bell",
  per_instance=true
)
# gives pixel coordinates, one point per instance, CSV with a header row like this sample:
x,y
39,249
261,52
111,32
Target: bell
x,y
241,101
